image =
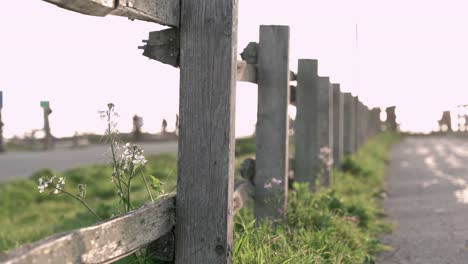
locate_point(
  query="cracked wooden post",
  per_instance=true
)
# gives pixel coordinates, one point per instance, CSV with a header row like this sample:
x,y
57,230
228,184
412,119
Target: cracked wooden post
x,y
325,130
272,122
205,183
306,126
2,146
338,112
349,126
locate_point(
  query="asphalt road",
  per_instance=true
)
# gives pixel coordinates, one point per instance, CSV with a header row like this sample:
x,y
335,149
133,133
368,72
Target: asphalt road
x,y
427,187
15,165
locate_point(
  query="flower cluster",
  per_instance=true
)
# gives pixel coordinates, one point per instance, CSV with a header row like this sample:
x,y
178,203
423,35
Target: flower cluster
x,y
273,182
55,185
108,115
132,155
325,156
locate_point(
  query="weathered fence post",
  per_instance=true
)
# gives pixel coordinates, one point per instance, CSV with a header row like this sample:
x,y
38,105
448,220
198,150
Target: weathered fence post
x,y
375,121
338,112
48,141
271,177
390,122
2,147
205,183
306,131
325,130
357,122
349,131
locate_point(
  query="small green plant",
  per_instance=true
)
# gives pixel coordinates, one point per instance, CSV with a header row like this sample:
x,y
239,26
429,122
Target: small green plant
x,y
127,162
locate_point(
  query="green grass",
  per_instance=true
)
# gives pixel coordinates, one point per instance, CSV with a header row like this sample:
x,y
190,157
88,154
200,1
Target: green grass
x,y
337,225
26,215
334,225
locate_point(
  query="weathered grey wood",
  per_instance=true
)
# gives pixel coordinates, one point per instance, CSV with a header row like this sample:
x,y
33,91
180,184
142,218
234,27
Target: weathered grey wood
x,y
48,138
246,72
362,123
101,243
292,94
2,147
163,248
390,122
306,125
338,112
349,127
205,184
249,54
375,121
272,122
164,46
325,130
292,76
165,12
357,121
247,169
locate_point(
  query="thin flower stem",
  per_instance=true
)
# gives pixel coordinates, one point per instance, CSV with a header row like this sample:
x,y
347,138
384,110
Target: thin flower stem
x,y
81,201
128,195
114,159
146,185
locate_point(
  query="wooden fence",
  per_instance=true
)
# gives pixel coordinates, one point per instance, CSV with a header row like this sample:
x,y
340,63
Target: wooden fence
x,y
196,225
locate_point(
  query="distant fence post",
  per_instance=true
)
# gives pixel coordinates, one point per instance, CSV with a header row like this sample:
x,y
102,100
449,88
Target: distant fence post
x,y
48,141
306,126
390,122
205,183
325,130
2,147
349,131
338,112
357,123
271,176
375,121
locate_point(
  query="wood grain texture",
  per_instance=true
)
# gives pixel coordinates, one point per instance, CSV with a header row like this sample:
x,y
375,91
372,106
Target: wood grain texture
x,y
206,136
325,125
306,123
246,72
164,12
349,124
272,121
101,243
338,109
164,46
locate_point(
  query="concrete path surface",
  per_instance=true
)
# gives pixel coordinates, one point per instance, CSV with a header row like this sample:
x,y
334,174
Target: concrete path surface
x,y
427,185
15,165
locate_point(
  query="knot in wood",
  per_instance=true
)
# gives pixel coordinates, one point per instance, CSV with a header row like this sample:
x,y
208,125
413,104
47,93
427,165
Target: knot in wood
x,y
219,250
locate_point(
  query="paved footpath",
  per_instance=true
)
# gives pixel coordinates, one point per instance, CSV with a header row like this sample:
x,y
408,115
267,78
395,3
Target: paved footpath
x,y
427,185
15,165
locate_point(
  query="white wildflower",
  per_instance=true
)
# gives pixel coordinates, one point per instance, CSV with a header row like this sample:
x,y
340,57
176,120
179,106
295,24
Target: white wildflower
x,y
132,154
275,181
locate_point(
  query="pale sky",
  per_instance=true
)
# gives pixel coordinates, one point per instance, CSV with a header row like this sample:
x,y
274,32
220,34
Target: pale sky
x,y
410,53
